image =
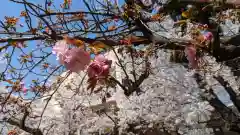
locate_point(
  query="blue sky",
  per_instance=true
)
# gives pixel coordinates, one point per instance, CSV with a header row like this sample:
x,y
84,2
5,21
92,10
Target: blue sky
x,y
12,9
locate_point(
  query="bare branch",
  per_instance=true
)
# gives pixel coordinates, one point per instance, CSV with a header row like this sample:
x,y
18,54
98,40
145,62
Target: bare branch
x,y
233,96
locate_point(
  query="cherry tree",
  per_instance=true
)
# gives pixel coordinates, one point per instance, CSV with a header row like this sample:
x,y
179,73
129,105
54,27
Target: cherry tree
x,y
120,67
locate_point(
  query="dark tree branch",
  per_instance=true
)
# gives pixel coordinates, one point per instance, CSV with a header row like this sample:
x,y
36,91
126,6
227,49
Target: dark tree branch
x,y
233,96
17,123
226,52
226,113
225,2
222,53
229,51
75,13
21,123
20,39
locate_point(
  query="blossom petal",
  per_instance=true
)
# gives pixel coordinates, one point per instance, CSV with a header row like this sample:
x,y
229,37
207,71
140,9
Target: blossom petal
x,y
76,59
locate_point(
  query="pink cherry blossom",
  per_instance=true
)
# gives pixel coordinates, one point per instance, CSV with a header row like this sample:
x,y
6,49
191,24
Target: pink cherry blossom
x,y
100,67
20,45
191,52
24,90
76,59
208,36
60,49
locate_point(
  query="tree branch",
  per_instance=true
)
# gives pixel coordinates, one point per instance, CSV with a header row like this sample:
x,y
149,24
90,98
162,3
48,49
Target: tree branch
x,y
15,122
226,113
75,13
19,39
233,96
227,2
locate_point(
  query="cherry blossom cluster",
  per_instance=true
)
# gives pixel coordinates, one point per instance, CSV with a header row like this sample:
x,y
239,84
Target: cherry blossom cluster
x,y
76,59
